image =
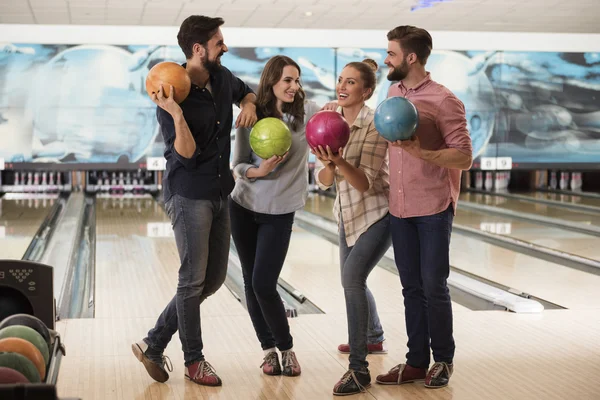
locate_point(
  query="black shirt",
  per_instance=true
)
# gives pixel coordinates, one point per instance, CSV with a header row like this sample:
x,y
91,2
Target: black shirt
x,y
207,174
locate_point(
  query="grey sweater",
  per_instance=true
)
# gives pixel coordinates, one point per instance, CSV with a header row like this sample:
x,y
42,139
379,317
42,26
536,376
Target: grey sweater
x,y
285,189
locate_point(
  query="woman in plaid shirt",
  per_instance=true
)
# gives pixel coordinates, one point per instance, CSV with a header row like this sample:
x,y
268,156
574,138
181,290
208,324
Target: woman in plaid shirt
x,y
360,173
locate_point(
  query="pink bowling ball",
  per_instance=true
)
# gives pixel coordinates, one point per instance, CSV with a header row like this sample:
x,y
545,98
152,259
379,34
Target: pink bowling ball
x,y
327,128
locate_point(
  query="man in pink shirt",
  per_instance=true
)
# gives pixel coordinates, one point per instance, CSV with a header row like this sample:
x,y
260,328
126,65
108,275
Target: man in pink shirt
x,y
425,176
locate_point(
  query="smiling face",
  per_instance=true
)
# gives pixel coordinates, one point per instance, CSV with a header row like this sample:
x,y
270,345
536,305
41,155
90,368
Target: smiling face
x,y
350,88
210,53
397,62
288,85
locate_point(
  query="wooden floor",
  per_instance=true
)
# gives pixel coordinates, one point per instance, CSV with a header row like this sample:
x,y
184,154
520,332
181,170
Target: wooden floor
x,y
565,198
581,244
556,283
584,217
316,273
499,355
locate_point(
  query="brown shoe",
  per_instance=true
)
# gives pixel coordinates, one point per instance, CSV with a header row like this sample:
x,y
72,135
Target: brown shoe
x,y
202,373
400,374
439,375
375,348
291,367
154,364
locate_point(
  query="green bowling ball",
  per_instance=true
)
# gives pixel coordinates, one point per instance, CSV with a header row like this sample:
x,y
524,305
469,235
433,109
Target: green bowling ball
x,y
270,137
21,364
26,333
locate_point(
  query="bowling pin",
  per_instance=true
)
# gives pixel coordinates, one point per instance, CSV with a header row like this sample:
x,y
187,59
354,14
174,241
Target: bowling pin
x,y
16,179
478,180
553,181
36,182
488,181
564,180
497,181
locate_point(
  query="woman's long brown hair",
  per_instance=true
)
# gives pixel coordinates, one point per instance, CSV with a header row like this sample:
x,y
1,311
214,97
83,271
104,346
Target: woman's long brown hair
x,y
266,102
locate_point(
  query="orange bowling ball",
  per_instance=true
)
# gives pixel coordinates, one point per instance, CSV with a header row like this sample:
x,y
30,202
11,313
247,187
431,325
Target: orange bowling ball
x,y
169,73
26,349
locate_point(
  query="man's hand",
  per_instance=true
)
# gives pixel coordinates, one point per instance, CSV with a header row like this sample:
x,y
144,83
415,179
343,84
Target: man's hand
x,y
411,146
167,103
247,117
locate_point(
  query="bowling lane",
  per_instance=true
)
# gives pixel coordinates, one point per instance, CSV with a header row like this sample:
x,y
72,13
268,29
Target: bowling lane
x,y
552,282
137,262
313,267
583,217
19,221
555,238
564,198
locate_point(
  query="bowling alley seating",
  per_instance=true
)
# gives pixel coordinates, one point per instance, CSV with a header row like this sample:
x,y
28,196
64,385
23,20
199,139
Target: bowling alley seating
x,y
30,348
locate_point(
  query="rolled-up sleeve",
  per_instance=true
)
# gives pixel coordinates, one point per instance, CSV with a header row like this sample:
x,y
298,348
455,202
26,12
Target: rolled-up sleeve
x,y
318,167
239,89
167,129
242,154
373,154
452,123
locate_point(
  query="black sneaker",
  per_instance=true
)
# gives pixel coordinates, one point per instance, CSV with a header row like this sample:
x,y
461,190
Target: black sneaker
x,y
439,375
154,362
353,382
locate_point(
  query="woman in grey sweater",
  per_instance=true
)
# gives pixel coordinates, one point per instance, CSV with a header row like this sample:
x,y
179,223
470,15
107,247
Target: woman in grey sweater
x,y
262,205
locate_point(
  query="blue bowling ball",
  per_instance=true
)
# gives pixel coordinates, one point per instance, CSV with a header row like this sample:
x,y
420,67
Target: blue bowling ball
x,y
396,118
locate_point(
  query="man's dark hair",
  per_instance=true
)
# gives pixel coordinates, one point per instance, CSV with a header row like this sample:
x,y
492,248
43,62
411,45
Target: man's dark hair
x,y
197,29
412,40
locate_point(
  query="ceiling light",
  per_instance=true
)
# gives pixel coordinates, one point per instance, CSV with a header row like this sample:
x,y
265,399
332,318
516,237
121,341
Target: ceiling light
x,y
308,13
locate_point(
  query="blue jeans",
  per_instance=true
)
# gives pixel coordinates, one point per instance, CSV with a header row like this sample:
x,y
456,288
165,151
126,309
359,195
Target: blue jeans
x,y
262,242
356,264
421,250
202,233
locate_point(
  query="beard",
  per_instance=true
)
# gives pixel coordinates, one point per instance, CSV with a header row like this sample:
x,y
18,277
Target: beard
x,y
398,73
212,66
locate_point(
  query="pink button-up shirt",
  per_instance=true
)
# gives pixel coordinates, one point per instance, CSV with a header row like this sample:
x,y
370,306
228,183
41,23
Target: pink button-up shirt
x,y
418,187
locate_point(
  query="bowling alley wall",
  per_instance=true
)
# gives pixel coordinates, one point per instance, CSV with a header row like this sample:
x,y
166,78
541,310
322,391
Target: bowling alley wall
x,y
75,96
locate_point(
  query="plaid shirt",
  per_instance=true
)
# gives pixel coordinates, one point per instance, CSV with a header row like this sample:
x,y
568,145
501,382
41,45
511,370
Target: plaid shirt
x,y
366,150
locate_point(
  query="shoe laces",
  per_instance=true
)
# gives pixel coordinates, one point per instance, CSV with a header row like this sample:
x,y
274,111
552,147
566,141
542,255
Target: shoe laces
x,y
204,369
350,376
289,359
398,369
166,362
271,359
438,368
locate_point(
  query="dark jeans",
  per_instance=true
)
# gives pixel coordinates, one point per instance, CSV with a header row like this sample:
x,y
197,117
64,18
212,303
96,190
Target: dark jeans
x,y
202,235
421,250
262,242
356,264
